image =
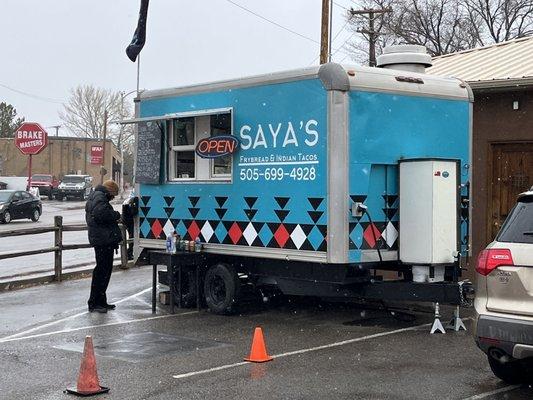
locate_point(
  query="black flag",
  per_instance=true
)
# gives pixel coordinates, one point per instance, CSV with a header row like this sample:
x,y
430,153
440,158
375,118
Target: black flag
x,y
139,37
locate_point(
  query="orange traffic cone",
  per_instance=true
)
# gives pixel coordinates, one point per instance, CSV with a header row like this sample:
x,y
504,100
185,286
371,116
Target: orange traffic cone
x,y
88,384
258,353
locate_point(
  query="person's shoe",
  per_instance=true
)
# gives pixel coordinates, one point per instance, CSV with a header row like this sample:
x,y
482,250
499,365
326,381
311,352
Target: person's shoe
x,y
98,309
110,306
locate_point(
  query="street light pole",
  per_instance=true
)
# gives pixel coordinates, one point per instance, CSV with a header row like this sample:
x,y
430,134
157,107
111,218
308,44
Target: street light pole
x,y
121,140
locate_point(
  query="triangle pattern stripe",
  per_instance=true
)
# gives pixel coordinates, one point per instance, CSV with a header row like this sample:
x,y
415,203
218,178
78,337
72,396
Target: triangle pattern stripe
x,y
358,198
145,210
169,210
194,211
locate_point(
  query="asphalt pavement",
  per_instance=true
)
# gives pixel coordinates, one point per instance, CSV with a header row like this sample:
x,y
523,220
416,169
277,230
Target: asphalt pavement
x,y
73,213
320,350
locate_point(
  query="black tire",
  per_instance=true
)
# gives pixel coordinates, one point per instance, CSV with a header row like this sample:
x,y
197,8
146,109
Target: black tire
x,y
35,215
6,219
59,197
188,287
221,289
51,194
511,372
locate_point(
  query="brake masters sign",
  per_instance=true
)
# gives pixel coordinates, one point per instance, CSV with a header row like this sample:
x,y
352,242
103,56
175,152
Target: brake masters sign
x,y
31,138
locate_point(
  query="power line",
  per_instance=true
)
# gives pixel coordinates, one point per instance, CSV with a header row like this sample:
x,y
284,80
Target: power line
x,y
341,6
34,96
273,22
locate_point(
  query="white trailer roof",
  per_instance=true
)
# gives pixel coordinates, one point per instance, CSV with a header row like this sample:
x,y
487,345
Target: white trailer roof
x,y
360,78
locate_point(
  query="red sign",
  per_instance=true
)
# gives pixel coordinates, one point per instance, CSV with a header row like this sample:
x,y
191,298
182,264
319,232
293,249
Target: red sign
x,y
31,138
218,146
97,154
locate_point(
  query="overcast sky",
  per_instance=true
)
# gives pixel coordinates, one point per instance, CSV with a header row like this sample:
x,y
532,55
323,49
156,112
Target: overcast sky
x,y
51,46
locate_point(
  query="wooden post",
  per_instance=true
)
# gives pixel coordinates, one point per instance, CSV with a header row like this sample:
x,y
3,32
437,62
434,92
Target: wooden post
x,y
324,34
124,247
58,242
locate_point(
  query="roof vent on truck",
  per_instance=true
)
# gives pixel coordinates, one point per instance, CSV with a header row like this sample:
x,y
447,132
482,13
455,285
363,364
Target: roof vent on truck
x,y
405,57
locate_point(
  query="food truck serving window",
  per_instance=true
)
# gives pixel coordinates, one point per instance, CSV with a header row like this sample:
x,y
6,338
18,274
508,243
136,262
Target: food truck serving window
x,y
184,134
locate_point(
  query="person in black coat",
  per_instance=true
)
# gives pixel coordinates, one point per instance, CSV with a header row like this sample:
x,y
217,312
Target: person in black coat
x,y
104,236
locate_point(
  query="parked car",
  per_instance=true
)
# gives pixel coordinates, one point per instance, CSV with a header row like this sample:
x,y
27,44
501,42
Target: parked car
x,y
75,186
47,184
17,204
3,186
504,298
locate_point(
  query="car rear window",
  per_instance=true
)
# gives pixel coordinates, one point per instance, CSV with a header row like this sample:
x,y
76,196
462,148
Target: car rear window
x,y
518,227
74,179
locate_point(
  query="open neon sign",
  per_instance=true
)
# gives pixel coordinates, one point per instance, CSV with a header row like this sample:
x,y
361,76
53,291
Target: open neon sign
x,y
218,146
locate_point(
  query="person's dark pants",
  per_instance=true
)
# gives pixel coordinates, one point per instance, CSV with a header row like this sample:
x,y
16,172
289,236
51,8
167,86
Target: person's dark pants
x,y
101,275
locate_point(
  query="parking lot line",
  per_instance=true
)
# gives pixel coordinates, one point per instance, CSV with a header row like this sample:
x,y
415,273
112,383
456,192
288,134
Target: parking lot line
x,y
16,339
301,351
487,394
57,321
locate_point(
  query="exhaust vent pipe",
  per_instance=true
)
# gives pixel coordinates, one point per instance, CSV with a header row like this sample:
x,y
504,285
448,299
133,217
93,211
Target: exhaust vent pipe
x,y
405,57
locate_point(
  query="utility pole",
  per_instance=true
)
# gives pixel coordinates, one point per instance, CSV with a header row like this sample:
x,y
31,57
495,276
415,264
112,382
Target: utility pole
x,y
371,31
56,127
102,167
324,33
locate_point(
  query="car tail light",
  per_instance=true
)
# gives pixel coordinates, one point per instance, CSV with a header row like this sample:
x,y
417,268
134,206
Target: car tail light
x,y
490,259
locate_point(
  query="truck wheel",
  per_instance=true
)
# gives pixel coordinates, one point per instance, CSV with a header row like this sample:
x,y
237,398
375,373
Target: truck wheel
x,y
51,194
221,288
510,372
188,287
59,197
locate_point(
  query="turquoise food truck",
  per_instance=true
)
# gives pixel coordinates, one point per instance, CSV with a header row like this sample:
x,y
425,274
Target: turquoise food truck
x,y
312,181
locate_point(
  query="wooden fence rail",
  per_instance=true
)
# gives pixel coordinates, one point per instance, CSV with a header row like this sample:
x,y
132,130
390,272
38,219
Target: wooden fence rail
x,y
58,246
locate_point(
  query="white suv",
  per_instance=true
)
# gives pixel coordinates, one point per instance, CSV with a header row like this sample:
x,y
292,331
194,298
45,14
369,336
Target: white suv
x,y
504,296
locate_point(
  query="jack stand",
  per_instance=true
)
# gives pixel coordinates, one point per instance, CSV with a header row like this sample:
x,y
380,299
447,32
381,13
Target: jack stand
x,y
456,323
437,325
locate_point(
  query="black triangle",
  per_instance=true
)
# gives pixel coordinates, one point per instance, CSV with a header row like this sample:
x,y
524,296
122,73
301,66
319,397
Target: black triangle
x,y
390,199
194,200
221,200
250,201
315,202
250,213
168,200
464,213
221,212
282,214
390,212
257,242
227,224
258,226
358,198
169,211
194,211
306,245
145,210
323,229
315,215
145,199
282,201
307,228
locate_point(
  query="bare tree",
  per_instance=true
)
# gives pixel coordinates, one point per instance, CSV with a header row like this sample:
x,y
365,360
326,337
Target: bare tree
x,y
501,20
85,113
442,26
